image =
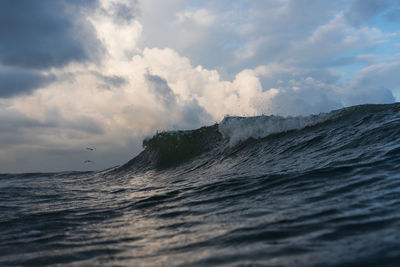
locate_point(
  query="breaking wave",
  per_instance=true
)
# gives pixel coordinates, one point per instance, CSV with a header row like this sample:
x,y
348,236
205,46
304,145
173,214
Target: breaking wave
x,y
173,148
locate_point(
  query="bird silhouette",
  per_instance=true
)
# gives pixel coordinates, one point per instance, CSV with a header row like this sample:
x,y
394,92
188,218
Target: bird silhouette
x,y
91,148
88,161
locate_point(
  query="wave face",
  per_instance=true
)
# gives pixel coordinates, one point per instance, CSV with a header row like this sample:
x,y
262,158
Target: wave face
x,y
321,190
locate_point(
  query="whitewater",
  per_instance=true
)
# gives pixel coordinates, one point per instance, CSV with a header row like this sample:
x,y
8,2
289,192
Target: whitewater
x,y
318,190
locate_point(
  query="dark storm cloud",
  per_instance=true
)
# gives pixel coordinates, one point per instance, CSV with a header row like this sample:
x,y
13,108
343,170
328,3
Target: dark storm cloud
x,y
15,82
45,33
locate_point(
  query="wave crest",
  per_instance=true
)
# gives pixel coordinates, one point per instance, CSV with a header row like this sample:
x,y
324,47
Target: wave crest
x,y
238,129
168,149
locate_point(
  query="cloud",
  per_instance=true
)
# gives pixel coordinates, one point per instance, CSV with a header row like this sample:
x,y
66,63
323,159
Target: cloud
x,y
117,31
394,14
188,113
120,11
377,83
379,75
12,121
14,124
52,143
253,33
364,11
16,82
110,81
113,74
159,87
46,33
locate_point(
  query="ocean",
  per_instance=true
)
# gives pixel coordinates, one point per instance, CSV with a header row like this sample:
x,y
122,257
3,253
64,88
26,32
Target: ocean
x,y
318,190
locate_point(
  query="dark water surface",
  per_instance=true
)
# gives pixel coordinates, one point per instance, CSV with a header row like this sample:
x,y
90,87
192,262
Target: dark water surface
x,y
316,191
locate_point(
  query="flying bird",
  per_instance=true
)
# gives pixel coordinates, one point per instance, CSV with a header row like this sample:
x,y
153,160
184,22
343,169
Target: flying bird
x,y
88,161
91,148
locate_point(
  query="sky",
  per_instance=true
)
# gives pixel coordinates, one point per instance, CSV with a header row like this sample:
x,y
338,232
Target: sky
x,y
108,73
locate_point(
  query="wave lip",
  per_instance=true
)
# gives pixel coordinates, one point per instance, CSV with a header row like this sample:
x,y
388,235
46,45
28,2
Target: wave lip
x,y
238,129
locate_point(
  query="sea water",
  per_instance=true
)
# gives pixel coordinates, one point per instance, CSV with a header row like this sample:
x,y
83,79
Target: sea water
x,y
322,190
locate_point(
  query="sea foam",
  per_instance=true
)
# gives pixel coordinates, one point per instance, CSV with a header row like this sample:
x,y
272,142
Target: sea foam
x,y
238,129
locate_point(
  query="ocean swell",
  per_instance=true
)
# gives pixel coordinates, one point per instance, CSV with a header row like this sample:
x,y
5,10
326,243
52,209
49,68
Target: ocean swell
x,y
169,149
